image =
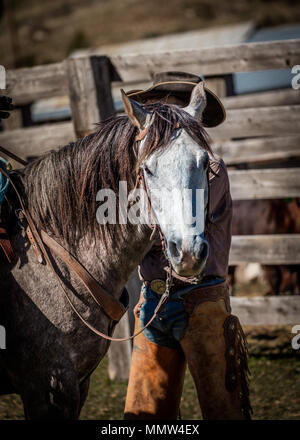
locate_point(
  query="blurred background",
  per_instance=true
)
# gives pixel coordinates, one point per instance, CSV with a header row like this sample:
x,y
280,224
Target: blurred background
x,y
35,32
38,32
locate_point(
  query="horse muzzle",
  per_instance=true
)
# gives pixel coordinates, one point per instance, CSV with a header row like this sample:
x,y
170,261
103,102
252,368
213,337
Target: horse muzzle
x,y
188,258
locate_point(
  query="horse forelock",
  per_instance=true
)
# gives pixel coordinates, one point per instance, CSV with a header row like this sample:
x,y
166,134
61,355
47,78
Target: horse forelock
x,y
61,186
166,119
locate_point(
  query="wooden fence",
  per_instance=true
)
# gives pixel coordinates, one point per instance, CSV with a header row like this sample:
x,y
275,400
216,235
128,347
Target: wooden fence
x,y
259,127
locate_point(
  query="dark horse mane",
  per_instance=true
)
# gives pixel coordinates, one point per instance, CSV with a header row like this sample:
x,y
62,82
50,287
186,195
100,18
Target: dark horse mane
x,y
61,186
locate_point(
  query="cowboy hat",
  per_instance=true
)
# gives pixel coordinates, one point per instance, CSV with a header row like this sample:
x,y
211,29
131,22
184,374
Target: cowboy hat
x,y
180,85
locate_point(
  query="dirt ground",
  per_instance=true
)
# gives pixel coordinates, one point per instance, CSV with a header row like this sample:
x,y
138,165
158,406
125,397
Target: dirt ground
x,y
274,387
274,381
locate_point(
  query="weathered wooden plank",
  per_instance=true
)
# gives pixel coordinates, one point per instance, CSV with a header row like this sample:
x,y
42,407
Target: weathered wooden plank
x,y
270,310
210,61
83,98
263,99
245,184
133,287
261,121
89,92
266,121
29,84
101,68
264,183
265,249
34,141
119,354
258,150
14,121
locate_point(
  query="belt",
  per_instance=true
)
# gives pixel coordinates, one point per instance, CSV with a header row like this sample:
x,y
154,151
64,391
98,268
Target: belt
x,y
158,285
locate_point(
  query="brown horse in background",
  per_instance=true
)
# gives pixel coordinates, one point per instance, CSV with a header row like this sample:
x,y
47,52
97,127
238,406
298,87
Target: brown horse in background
x,y
251,217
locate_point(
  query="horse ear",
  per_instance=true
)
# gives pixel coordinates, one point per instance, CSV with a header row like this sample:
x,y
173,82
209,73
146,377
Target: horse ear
x,y
197,102
135,111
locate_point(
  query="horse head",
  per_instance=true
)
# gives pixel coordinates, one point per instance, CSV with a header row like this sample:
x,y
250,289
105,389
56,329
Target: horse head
x,y
176,179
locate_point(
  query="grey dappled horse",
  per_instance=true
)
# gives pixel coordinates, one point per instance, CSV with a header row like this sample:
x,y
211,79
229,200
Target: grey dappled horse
x,y
50,354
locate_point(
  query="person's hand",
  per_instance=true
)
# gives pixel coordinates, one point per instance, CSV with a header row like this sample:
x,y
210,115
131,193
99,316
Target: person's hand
x,y
138,307
5,106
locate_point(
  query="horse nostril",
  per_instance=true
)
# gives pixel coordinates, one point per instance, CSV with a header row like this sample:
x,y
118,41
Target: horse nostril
x,y
204,249
174,249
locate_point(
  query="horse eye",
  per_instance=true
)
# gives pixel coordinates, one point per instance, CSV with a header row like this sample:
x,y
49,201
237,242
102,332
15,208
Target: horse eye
x,y
148,171
206,162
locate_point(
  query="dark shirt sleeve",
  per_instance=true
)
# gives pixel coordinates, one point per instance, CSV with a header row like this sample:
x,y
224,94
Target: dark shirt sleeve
x,y
218,227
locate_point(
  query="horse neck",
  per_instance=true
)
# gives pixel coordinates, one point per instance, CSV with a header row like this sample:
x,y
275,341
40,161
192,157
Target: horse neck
x,y
110,260
112,263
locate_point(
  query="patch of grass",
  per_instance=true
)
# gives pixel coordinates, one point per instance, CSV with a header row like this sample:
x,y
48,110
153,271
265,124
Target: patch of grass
x,y
106,398
274,391
11,407
275,388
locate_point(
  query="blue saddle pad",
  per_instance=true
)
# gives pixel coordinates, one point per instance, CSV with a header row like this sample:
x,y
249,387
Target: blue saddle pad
x,y
4,182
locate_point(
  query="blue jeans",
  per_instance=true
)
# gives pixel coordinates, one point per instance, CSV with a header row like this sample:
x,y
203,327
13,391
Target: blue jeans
x,y
170,325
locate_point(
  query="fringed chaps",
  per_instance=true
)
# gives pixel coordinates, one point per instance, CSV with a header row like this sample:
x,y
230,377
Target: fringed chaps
x,y
216,352
215,349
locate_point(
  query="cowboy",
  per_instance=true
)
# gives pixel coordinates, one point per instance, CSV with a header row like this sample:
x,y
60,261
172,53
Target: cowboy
x,y
196,327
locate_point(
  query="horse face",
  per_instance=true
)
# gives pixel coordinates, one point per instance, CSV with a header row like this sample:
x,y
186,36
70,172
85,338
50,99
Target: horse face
x,y
176,183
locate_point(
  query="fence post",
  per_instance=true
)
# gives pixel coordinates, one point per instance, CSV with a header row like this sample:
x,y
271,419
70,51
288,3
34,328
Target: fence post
x,y
103,75
90,95
119,353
